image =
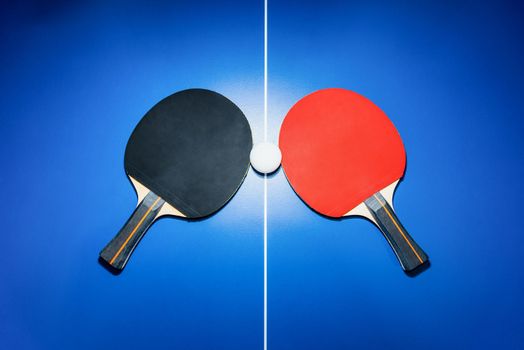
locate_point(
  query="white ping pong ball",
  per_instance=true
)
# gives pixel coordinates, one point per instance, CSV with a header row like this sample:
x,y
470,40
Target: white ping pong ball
x,y
265,157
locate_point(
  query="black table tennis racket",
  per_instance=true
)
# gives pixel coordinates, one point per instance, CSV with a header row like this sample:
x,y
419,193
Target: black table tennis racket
x,y
186,157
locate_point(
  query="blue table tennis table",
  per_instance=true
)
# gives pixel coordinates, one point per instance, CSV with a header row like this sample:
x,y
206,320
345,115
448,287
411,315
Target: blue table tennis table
x,y
265,272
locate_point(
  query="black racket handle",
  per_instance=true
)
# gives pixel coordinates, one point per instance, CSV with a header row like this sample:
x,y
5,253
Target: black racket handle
x,y
408,252
117,252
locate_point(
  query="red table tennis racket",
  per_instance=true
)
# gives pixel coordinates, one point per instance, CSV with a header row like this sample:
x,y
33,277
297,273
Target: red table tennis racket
x,y
187,157
343,156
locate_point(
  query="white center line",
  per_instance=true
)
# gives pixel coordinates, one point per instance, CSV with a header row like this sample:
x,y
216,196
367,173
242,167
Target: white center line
x,y
265,70
265,176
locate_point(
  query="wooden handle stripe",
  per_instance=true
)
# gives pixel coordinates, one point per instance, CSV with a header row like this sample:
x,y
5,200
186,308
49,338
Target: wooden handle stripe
x,y
392,217
117,252
134,231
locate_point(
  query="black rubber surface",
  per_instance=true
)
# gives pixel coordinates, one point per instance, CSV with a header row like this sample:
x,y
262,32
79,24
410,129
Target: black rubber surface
x,y
192,149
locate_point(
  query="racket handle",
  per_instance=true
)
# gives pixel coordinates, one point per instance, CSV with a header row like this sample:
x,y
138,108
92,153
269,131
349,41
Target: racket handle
x,y
409,254
117,252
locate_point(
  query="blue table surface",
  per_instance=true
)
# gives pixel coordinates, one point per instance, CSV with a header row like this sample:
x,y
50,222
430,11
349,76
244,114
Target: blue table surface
x,y
77,76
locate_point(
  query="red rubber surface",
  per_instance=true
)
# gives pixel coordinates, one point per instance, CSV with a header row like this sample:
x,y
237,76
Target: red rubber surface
x,y
338,149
